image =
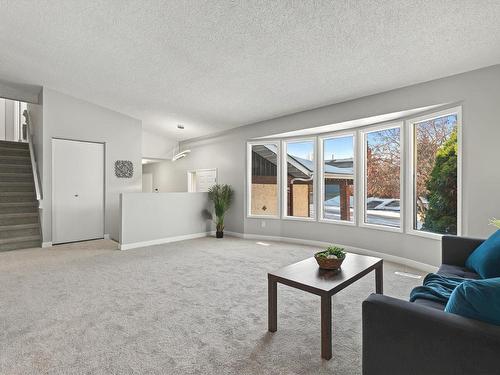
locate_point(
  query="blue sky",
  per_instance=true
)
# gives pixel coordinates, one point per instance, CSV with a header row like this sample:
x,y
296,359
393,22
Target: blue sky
x,y
340,147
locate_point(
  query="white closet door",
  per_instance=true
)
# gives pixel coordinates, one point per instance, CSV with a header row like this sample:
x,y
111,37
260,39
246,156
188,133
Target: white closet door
x,y
77,191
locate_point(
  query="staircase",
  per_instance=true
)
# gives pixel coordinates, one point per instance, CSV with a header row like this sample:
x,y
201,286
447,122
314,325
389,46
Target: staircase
x,y
19,219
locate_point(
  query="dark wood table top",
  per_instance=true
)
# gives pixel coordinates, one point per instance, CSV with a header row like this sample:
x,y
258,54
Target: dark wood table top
x,y
306,275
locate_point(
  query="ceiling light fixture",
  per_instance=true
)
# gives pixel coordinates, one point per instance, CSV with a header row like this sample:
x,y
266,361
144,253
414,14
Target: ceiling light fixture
x,y
180,155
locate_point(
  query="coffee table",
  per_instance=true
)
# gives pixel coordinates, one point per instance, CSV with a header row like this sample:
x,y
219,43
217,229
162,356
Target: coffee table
x,y
307,276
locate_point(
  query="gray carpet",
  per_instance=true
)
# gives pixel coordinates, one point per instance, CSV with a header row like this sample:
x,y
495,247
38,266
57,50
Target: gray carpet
x,y
191,307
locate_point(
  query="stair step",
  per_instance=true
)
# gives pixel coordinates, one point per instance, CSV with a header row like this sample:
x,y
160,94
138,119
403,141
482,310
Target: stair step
x,y
20,245
19,239
9,151
15,159
18,207
16,177
15,168
16,186
19,230
10,144
22,242
19,218
17,226
17,196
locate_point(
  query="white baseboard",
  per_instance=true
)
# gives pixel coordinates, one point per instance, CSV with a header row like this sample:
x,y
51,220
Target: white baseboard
x,y
234,234
46,244
160,241
390,258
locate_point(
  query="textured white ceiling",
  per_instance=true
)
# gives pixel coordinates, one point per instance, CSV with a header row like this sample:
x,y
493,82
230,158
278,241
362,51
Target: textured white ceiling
x,y
213,65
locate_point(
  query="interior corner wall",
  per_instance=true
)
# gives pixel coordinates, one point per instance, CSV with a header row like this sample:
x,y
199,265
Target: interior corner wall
x,y
163,178
478,93
155,146
71,118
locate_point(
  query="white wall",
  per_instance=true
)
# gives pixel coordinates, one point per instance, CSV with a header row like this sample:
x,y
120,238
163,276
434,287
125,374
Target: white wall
x,y
164,178
9,120
479,94
156,146
152,218
70,118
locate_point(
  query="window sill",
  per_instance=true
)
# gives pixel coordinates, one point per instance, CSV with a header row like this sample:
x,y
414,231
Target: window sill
x,y
432,236
340,222
294,218
381,227
263,217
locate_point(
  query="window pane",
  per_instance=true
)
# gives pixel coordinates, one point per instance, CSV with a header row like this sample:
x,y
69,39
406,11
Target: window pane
x,y
435,185
383,160
264,192
338,178
300,179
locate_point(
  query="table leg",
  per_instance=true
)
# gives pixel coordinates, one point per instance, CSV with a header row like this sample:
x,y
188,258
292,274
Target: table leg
x,y
326,327
272,304
379,279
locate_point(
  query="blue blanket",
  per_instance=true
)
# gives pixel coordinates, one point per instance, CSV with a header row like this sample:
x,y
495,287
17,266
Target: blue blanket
x,y
436,288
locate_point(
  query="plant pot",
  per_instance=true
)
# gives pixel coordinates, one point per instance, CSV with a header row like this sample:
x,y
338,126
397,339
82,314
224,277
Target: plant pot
x,y
329,264
219,234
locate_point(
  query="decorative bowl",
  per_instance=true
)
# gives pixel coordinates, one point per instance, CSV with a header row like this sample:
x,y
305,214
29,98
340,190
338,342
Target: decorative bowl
x,y
328,263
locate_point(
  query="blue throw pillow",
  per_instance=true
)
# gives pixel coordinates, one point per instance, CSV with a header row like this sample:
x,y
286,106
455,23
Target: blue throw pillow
x,y
477,299
485,260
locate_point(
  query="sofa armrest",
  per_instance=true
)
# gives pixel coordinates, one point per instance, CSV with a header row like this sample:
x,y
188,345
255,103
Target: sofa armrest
x,y
455,250
400,337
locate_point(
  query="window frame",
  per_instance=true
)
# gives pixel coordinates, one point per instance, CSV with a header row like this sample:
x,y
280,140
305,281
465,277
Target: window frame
x,y
250,144
284,195
364,178
406,176
321,179
411,170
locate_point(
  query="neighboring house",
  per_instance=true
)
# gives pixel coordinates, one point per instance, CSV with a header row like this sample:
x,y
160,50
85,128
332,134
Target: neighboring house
x,y
338,174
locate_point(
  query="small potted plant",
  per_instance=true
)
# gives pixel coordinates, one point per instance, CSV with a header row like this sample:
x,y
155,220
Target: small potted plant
x,y
222,197
331,258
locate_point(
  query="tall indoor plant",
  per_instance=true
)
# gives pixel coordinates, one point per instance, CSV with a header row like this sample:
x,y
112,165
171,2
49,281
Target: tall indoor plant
x,y
222,196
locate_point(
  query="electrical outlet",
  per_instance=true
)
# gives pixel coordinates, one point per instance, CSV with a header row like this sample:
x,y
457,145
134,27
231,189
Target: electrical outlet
x,y
262,224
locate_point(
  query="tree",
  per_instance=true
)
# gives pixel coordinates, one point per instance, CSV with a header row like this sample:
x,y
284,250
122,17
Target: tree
x,y
441,216
383,164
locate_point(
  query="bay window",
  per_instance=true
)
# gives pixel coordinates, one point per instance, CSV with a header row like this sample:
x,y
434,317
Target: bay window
x,y
263,179
382,173
298,178
409,167
337,178
434,182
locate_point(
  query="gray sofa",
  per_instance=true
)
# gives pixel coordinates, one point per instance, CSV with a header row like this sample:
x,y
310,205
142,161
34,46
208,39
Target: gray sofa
x,y
401,337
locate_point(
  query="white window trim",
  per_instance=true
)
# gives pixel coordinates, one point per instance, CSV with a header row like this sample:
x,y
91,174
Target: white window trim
x,y
362,177
410,167
406,127
284,195
249,179
321,179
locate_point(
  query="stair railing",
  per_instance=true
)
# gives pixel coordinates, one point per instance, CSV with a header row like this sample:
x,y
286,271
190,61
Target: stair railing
x,y
34,167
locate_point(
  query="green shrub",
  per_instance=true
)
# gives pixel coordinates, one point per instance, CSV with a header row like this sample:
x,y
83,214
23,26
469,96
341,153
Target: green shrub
x,y
441,216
